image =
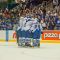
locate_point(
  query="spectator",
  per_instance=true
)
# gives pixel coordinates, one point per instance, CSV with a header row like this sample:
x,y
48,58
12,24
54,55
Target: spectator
x,y
55,3
43,24
51,25
58,24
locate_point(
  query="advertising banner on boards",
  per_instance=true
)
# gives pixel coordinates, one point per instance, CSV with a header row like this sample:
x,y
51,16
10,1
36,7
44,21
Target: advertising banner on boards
x,y
51,35
12,35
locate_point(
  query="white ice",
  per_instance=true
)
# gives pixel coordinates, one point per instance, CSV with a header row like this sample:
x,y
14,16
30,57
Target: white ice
x,y
10,51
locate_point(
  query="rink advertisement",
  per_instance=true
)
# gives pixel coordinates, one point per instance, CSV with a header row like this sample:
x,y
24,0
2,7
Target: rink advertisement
x,y
51,35
12,35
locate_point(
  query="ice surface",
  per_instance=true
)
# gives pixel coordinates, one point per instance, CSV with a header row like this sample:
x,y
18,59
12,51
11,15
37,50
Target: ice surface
x,y
10,51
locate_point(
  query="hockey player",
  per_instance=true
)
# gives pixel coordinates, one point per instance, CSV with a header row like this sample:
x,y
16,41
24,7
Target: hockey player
x,y
28,30
36,36
36,32
18,30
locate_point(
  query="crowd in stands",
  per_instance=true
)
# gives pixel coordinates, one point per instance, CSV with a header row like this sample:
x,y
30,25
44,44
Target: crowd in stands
x,y
48,19
8,19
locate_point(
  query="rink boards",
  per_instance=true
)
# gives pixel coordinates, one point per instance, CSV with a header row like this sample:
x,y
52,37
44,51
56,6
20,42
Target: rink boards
x,y
51,36
46,37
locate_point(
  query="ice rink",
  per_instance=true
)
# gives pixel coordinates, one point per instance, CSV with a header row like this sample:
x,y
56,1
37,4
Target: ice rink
x,y
10,51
